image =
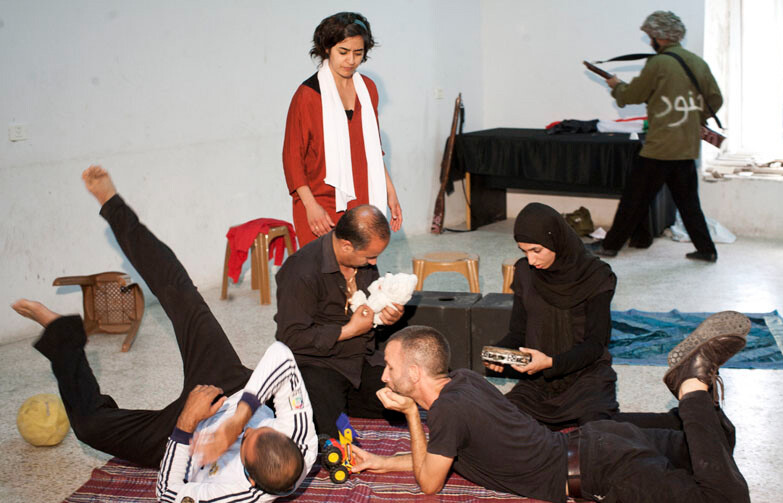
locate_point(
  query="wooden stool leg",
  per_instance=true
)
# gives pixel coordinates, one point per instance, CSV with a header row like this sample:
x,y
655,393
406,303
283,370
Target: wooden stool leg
x,y
263,268
473,276
88,302
289,245
126,344
508,278
254,264
461,267
418,270
224,289
427,268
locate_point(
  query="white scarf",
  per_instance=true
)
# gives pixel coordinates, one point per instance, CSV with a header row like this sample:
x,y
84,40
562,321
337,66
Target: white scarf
x,y
337,143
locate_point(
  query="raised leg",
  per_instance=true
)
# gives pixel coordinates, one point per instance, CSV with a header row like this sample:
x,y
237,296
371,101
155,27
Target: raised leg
x,y
694,465
625,463
207,355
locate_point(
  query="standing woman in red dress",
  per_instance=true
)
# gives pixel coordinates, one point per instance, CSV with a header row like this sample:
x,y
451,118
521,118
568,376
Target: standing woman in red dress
x,y
332,154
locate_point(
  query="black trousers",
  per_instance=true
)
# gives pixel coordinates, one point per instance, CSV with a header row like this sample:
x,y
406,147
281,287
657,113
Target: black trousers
x,y
622,462
331,394
672,421
643,184
140,436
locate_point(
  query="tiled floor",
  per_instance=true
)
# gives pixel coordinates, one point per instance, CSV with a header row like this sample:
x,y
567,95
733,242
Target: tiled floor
x,y
748,277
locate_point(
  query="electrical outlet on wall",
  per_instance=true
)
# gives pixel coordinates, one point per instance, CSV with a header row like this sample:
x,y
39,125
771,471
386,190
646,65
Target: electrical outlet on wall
x,y
17,132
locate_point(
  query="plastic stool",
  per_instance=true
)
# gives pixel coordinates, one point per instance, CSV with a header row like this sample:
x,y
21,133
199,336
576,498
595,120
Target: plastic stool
x,y
112,304
466,264
259,262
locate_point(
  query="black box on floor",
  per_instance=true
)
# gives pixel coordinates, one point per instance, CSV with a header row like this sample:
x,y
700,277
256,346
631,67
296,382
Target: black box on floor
x,y
489,319
449,313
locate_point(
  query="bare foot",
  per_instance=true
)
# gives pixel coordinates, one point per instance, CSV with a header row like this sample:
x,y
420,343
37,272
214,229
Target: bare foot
x,y
98,182
35,311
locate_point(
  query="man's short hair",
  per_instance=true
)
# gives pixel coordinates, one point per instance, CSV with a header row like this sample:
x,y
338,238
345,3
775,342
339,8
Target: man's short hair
x,y
277,463
426,347
664,25
361,224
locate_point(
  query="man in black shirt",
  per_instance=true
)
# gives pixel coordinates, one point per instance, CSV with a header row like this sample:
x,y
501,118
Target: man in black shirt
x,y
486,439
336,349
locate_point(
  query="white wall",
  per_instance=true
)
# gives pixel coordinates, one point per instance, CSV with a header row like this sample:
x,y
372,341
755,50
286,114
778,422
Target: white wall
x,y
532,56
533,52
747,207
185,102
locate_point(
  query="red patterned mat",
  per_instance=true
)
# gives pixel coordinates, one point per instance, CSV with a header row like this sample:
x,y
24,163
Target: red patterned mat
x,y
121,482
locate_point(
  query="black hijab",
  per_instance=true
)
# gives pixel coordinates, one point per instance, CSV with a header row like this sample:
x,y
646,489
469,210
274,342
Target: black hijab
x,y
576,274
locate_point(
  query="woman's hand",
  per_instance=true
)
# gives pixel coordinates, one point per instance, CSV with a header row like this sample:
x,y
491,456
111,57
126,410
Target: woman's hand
x,y
318,219
394,204
538,362
396,212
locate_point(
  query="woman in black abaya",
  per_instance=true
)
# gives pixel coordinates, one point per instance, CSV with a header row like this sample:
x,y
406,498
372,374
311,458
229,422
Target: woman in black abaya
x,y
561,315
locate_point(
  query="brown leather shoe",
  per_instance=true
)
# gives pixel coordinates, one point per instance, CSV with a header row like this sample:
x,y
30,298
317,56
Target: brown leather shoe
x,y
701,354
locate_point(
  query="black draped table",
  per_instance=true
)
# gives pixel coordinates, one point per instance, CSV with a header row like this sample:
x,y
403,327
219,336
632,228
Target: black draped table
x,y
581,164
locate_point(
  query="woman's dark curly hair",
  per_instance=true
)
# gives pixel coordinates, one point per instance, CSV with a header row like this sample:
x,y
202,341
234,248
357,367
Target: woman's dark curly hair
x,y
337,28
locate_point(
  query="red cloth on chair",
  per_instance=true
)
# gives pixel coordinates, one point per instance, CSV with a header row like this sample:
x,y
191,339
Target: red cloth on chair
x,y
241,237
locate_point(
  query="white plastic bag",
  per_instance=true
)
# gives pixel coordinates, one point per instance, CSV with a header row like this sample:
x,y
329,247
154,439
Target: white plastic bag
x,y
718,233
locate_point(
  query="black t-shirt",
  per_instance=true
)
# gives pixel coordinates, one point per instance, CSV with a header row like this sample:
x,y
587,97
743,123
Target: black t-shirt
x,y
494,444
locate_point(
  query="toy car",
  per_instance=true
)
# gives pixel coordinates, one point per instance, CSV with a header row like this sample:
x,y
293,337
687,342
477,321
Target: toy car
x,y
505,356
336,455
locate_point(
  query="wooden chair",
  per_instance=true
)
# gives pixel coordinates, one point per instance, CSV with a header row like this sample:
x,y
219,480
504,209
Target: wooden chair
x,y
466,264
112,304
259,262
508,274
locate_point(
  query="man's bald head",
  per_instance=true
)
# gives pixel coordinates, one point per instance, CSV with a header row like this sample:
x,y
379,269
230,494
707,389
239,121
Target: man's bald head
x,y
360,225
275,462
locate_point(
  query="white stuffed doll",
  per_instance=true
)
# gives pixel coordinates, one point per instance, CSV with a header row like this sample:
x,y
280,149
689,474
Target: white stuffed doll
x,y
392,288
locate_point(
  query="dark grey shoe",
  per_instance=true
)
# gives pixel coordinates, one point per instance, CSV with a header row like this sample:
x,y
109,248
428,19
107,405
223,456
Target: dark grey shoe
x,y
705,256
598,249
701,354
